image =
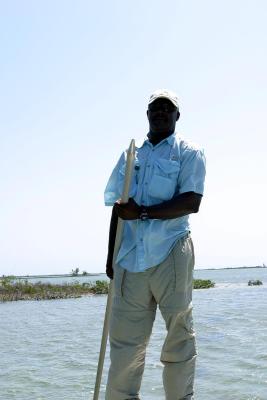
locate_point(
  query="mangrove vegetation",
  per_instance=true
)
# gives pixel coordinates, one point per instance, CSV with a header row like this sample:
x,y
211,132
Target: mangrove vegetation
x,y
12,289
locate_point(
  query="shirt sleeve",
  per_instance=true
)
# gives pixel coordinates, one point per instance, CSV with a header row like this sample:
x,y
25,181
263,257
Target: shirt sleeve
x,y
112,191
193,170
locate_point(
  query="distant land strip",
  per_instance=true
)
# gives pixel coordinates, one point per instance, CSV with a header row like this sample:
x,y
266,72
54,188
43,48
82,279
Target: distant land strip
x,y
103,273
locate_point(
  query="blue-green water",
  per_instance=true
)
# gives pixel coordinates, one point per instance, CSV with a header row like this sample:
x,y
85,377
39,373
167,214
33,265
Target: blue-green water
x,y
49,349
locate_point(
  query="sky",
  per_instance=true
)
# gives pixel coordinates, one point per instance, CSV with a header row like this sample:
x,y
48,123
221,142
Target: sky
x,y
75,78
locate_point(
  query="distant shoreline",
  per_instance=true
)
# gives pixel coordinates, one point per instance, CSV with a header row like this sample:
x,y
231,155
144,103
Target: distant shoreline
x,y
58,275
103,273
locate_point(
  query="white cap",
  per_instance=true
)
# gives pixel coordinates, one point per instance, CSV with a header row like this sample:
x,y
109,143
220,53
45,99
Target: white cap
x,y
164,94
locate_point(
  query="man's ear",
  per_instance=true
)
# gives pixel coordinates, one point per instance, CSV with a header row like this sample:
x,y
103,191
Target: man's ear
x,y
178,115
147,113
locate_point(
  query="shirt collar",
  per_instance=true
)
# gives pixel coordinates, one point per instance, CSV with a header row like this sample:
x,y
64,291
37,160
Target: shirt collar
x,y
141,142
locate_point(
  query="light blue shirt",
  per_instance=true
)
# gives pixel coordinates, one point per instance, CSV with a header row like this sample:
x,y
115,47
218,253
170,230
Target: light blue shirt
x,y
172,167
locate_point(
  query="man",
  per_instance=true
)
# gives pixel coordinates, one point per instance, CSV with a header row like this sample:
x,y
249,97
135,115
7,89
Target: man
x,y
156,258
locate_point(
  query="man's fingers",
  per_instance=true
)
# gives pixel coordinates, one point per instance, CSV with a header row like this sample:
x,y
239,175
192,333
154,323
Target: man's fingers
x,y
127,211
120,202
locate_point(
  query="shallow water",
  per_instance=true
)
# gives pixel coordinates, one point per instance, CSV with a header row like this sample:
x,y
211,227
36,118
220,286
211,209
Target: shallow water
x,y
49,349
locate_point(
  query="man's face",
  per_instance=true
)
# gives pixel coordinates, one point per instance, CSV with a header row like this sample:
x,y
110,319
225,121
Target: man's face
x,y
162,116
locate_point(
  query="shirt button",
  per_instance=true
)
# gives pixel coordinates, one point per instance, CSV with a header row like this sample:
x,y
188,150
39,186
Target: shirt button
x,y
145,183
148,165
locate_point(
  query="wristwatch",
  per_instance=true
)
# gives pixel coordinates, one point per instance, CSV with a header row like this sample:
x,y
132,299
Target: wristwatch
x,y
143,214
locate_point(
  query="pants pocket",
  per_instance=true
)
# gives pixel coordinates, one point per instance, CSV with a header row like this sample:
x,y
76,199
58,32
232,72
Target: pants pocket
x,y
118,280
183,262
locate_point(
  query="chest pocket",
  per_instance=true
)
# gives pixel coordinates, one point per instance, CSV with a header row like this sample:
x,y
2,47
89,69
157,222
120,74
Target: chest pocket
x,y
134,181
164,179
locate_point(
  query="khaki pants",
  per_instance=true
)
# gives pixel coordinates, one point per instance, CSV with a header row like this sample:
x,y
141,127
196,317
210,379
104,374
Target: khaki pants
x,y
169,285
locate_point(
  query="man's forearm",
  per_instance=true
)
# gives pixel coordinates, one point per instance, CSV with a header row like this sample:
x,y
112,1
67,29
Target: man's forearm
x,y
179,206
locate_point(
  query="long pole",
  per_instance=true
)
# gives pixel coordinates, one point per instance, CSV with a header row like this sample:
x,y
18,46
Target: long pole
x,y
125,198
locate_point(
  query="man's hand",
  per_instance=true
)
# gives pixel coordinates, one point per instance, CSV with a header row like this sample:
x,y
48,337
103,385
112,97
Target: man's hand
x,y
127,211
